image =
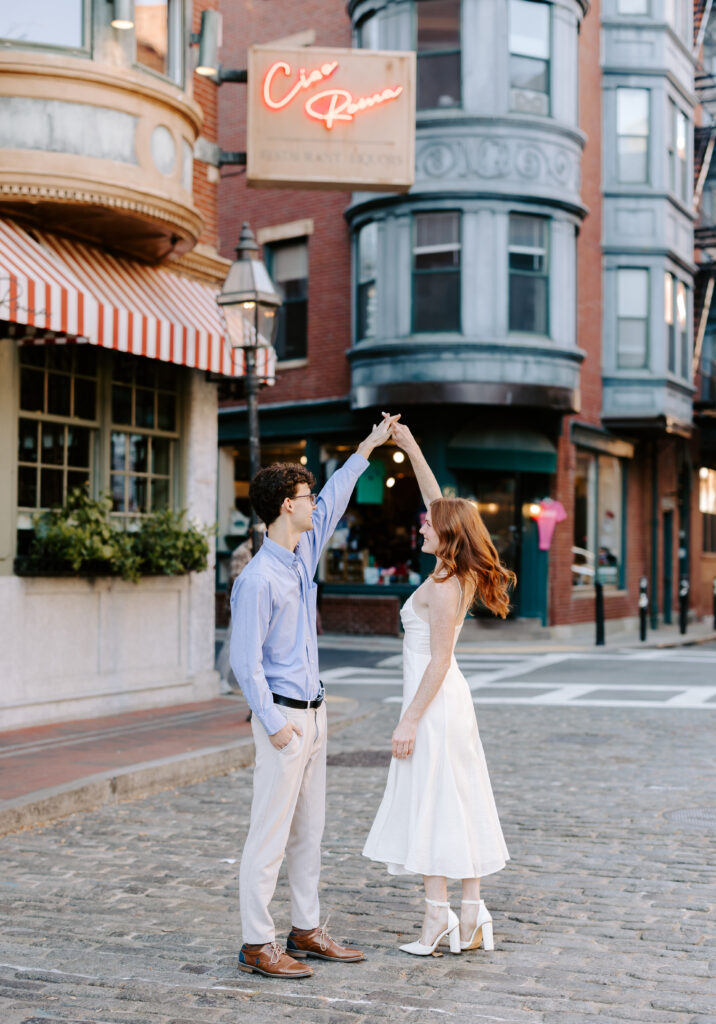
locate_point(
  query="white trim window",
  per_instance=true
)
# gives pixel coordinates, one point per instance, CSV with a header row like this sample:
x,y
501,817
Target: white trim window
x,y
530,53
287,263
436,271
632,135
366,293
632,318
529,274
677,145
438,46
159,35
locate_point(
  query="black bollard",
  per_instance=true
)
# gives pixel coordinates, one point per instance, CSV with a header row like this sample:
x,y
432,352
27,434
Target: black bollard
x,y
683,603
599,612
643,607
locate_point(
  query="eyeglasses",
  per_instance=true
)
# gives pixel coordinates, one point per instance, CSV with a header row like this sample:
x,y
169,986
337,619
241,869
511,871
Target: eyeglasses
x,y
313,497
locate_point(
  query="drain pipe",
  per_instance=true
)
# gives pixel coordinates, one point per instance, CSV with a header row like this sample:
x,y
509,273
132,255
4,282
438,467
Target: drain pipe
x,y
653,604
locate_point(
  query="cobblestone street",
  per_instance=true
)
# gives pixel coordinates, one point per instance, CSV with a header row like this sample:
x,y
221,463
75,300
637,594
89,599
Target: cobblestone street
x,y
129,914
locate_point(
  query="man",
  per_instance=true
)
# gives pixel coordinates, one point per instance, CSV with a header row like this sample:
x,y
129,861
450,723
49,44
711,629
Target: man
x,y
274,655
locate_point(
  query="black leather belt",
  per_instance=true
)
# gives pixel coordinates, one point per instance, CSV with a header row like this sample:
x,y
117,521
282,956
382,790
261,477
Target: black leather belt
x,y
289,702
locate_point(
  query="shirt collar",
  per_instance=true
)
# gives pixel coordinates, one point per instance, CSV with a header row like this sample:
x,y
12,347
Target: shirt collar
x,y
278,551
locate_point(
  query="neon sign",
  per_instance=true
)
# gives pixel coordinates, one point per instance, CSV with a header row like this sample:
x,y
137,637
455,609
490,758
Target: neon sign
x,y
330,106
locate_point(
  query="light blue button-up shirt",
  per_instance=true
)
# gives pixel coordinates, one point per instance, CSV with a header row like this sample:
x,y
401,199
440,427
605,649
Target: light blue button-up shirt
x,y
274,648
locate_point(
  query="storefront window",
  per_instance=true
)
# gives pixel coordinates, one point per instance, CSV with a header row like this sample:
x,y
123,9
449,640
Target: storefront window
x,y
143,435
632,318
57,425
367,273
529,274
632,135
159,34
44,22
529,57
288,265
436,272
438,49
707,507
598,520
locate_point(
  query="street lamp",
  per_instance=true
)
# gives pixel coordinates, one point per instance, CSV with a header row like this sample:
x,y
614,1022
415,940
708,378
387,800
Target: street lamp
x,y
250,303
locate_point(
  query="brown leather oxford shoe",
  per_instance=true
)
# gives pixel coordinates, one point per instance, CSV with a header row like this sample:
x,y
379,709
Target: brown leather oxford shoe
x,y
316,942
270,959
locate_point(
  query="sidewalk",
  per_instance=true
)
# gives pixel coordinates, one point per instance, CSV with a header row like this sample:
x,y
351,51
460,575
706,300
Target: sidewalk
x,y
49,771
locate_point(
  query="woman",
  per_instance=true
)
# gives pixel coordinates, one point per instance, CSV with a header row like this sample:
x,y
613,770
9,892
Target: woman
x,y
438,816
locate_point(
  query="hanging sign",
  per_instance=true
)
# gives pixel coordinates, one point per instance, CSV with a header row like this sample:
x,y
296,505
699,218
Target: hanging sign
x,y
331,118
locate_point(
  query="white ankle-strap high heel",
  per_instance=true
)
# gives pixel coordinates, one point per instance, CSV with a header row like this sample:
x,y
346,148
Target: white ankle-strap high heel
x,y
482,933
452,932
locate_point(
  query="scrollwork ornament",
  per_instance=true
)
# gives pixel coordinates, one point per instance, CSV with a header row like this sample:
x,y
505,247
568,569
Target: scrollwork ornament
x,y
438,159
529,162
492,159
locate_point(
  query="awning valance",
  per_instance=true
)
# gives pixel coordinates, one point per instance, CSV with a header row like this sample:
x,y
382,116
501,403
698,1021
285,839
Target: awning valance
x,y
508,450
52,289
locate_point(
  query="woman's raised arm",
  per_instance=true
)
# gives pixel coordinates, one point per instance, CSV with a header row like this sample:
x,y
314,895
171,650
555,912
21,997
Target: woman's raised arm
x,y
427,483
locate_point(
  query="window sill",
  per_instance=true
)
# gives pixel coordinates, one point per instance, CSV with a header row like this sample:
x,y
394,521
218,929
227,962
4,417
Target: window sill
x,y
582,593
292,364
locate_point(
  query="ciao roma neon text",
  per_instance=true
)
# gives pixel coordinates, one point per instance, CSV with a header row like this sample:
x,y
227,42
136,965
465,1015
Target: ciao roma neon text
x,y
330,106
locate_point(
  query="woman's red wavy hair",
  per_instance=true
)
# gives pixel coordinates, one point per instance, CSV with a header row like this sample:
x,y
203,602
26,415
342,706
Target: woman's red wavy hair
x,y
466,551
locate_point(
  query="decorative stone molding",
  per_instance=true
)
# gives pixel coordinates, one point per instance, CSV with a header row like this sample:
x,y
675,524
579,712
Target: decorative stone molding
x,y
202,263
512,163
120,177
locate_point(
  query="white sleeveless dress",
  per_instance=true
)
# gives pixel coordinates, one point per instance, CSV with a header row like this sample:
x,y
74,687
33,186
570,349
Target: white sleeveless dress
x,y
438,814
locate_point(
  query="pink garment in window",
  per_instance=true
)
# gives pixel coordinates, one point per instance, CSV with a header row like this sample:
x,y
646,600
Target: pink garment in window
x,y
551,513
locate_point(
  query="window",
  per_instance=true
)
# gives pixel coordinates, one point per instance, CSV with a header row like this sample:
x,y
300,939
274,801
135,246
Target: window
x,y
529,57
529,274
682,328
58,421
366,297
45,22
288,266
159,32
143,435
632,319
632,135
598,520
669,289
438,49
677,15
677,130
707,507
366,33
633,7
436,272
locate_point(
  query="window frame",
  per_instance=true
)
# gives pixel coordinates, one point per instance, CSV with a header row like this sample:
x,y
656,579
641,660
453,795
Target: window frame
x,y
524,250
414,272
707,483
547,61
646,318
269,249
85,50
621,90
634,14
437,53
595,456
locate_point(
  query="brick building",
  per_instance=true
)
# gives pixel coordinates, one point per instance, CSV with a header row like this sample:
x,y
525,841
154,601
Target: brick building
x,y
109,271
529,305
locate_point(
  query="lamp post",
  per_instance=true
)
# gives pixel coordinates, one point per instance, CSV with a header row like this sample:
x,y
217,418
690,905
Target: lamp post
x,y
250,303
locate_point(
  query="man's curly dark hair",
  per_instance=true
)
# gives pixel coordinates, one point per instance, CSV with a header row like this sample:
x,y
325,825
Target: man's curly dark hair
x,y
273,484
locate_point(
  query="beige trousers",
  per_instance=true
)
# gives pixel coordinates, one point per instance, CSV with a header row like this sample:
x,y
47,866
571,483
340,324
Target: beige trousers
x,y
287,816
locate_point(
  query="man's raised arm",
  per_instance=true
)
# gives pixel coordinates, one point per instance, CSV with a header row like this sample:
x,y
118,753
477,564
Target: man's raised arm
x,y
333,499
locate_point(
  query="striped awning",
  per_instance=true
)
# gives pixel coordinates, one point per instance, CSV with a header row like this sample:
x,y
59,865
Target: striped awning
x,y
55,290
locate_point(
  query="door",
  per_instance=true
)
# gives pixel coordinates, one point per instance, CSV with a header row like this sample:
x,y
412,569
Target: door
x,y
668,582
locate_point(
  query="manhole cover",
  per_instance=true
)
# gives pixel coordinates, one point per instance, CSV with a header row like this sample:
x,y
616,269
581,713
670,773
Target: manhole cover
x,y
360,759
585,739
693,817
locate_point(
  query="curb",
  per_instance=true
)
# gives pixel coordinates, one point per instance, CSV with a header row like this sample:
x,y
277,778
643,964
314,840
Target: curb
x,y
118,785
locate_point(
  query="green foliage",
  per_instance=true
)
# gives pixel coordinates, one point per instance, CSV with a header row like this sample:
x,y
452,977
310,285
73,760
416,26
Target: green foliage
x,y
81,537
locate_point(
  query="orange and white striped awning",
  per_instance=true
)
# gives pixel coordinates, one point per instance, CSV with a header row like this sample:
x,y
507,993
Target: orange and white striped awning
x,y
54,290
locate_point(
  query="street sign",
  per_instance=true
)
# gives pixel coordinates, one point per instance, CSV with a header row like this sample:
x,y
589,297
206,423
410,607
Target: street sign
x,y
329,118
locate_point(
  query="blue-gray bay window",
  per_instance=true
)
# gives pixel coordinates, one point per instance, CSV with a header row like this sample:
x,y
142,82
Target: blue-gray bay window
x,y
366,297
632,318
677,333
288,266
438,49
632,135
529,274
436,272
530,46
